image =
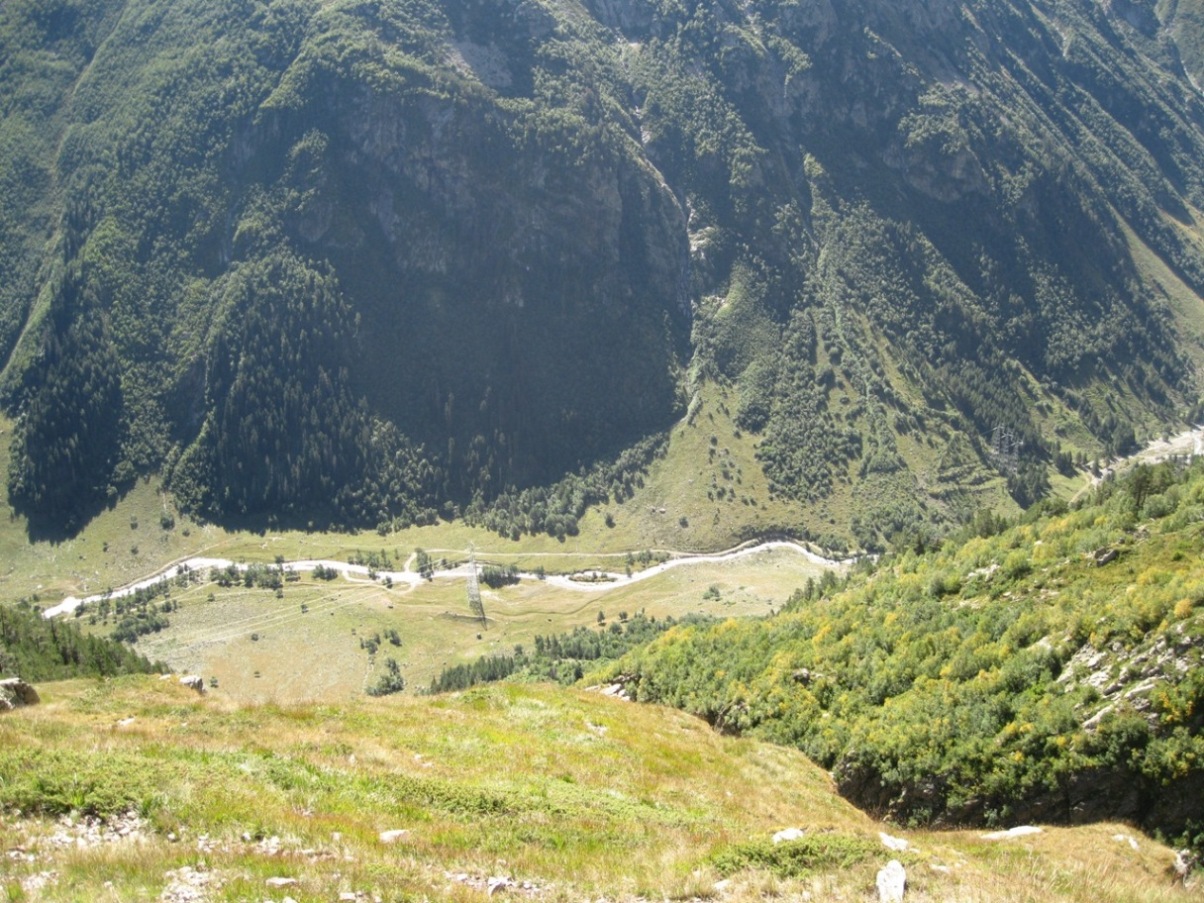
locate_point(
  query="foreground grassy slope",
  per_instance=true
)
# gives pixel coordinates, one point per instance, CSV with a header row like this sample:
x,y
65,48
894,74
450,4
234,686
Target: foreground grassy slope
x,y
569,795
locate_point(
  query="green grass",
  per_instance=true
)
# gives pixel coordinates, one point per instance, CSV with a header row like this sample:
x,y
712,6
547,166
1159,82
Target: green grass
x,y
578,795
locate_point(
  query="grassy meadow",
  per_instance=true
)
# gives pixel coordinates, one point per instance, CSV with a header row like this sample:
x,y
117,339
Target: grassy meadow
x,y
308,644
143,532
551,794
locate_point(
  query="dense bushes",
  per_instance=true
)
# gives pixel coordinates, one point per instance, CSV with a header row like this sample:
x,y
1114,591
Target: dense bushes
x,y
957,685
560,657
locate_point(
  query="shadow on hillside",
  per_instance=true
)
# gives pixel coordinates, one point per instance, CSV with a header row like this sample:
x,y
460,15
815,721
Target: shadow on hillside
x,y
59,526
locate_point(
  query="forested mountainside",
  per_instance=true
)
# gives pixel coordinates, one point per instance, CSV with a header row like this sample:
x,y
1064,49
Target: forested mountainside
x,y
1050,670
370,260
38,649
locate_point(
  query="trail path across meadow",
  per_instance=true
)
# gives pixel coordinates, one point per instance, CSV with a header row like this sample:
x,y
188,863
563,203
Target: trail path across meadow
x,y
591,580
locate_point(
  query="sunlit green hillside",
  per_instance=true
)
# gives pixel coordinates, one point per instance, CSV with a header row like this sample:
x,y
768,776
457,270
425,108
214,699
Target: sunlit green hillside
x,y
1049,670
540,794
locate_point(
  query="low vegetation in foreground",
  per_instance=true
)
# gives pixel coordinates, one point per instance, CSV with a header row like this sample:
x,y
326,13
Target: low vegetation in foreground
x,y
137,788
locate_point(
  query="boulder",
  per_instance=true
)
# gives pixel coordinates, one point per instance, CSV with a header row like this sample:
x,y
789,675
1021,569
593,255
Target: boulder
x,y
1185,861
14,693
788,834
892,882
194,682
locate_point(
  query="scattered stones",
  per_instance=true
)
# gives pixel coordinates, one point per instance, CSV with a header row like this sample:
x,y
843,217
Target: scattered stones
x,y
496,884
788,834
493,884
892,882
90,831
188,885
280,882
20,854
33,884
1019,831
1185,861
268,846
894,844
393,835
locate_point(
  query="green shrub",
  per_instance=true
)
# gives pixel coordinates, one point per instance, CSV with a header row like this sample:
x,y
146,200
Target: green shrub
x,y
796,858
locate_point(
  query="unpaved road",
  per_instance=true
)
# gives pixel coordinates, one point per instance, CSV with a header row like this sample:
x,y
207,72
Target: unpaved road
x,y
591,580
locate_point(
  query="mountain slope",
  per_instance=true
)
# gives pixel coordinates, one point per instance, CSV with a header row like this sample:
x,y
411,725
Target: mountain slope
x,y
369,261
1052,671
597,799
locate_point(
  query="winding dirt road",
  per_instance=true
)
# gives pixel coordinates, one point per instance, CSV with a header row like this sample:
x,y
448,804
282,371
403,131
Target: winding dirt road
x,y
587,581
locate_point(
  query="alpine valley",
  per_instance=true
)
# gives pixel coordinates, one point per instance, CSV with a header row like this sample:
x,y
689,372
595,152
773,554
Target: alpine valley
x,y
827,371
371,262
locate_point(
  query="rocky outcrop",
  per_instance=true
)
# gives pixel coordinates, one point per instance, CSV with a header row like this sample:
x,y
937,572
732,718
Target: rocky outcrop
x,y
15,693
194,682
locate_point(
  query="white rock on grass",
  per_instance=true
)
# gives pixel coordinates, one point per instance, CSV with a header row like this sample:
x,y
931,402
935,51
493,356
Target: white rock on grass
x,y
1019,831
1185,861
787,834
892,882
496,884
894,844
393,835
194,682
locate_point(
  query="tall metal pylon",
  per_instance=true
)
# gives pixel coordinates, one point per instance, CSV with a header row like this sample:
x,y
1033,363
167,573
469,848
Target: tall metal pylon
x,y
475,605
1005,449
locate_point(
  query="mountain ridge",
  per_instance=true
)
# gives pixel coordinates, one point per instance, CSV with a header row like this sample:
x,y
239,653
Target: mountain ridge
x,y
531,235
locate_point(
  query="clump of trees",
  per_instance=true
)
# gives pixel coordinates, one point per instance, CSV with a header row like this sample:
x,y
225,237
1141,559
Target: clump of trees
x,y
390,682
37,648
495,576
560,657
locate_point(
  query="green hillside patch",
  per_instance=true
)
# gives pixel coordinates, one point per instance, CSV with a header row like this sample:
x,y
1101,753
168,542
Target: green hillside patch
x,y
136,786
1049,671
